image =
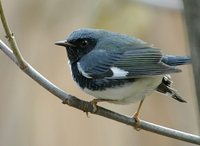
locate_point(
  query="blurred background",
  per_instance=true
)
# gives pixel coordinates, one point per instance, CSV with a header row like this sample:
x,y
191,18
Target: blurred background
x,y
31,116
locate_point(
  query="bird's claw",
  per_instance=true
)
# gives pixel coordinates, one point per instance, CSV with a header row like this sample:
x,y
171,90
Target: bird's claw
x,y
94,105
137,122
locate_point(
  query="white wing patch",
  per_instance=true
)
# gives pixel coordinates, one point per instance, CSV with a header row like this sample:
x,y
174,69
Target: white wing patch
x,y
82,71
70,67
117,72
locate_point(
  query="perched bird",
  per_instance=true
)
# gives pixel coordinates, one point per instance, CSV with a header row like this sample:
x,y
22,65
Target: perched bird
x,y
118,68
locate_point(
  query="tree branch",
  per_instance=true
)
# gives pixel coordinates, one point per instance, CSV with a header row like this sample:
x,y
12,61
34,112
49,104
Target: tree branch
x,y
80,104
11,39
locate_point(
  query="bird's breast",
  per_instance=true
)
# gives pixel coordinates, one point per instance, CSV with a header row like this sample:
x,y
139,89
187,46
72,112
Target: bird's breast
x,y
129,92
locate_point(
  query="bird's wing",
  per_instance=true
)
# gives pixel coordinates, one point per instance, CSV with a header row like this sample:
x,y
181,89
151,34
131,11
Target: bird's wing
x,y
124,63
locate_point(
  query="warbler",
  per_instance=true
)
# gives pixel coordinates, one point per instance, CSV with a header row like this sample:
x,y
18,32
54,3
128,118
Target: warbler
x,y
118,68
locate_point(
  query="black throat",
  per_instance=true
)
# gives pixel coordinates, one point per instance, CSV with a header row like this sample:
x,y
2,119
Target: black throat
x,y
96,84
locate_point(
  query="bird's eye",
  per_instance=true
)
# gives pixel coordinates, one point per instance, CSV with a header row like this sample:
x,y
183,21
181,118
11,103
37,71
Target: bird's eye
x,y
84,43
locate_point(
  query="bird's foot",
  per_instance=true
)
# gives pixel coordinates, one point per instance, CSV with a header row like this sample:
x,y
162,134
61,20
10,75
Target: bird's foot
x,y
137,122
136,115
95,101
94,105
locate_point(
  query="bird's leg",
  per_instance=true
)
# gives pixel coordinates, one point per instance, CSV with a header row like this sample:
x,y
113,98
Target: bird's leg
x,y
135,116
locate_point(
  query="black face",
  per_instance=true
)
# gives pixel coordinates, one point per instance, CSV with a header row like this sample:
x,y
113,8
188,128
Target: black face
x,y
79,47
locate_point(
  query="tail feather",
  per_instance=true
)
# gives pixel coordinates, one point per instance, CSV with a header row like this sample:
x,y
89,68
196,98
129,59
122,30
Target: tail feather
x,y
176,60
165,88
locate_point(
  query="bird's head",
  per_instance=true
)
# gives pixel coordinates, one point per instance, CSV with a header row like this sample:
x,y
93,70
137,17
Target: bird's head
x,y
80,42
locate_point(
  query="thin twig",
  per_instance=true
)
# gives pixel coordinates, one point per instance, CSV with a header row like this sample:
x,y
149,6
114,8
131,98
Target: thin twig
x,y
11,39
87,106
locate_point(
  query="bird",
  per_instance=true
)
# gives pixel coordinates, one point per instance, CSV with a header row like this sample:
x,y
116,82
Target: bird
x,y
118,68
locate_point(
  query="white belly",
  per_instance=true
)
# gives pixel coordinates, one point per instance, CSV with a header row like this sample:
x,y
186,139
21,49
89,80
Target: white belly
x,y
128,93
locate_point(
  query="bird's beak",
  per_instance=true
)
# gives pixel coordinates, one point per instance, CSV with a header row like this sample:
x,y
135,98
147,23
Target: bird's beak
x,y
64,43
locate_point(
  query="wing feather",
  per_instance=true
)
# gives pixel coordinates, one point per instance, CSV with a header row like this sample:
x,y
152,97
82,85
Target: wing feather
x,y
138,62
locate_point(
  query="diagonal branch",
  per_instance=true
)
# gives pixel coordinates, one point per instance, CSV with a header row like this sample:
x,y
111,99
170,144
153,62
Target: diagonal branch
x,y
75,102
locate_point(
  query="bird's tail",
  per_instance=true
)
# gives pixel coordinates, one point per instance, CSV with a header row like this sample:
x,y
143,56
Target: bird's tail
x,y
165,88
172,60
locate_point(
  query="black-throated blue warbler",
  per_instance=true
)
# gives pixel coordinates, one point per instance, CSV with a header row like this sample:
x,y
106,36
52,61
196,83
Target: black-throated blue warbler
x,y
118,68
